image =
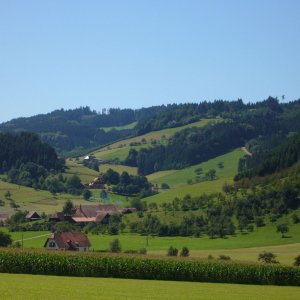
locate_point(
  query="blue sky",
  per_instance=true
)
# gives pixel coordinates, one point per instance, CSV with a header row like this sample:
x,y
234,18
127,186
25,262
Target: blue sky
x,y
66,54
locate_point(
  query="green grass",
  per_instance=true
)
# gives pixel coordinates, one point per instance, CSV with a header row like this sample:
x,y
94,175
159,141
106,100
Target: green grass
x,y
243,247
35,200
86,174
120,149
128,126
118,168
19,286
177,179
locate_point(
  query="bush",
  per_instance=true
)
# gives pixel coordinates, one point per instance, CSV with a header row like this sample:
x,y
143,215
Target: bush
x,y
267,258
5,239
115,246
172,251
295,218
185,252
165,186
224,257
297,261
143,251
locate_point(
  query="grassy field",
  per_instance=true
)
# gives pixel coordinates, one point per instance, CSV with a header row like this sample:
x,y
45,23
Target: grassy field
x,y
86,174
19,286
120,149
118,168
177,179
128,126
34,200
242,246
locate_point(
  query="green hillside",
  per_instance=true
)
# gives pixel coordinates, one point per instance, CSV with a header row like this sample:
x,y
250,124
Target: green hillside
x,y
177,179
119,150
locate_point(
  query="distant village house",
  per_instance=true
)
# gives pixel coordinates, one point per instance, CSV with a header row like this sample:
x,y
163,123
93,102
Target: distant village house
x,y
73,241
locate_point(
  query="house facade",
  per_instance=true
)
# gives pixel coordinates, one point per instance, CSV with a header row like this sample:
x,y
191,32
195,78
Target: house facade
x,y
73,241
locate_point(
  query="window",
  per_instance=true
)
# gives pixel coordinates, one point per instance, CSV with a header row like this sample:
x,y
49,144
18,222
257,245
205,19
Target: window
x,y
52,244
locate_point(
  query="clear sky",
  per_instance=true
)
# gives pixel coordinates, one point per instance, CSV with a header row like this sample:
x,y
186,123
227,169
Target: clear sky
x,y
123,53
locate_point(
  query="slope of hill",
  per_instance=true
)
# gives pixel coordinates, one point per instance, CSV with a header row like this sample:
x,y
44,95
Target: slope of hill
x,y
119,150
183,182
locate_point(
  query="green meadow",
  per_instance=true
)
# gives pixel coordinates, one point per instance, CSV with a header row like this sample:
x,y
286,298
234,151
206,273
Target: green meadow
x,y
128,126
177,179
21,286
243,246
34,200
86,174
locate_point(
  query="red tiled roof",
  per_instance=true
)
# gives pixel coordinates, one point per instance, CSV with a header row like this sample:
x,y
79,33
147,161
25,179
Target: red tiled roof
x,y
65,239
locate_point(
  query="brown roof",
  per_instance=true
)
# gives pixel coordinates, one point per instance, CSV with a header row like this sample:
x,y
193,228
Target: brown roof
x,y
67,239
99,218
58,215
33,215
90,211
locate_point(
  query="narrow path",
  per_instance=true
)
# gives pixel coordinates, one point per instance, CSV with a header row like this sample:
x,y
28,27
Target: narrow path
x,y
246,151
34,237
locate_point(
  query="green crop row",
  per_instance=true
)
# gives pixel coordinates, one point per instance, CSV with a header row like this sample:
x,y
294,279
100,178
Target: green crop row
x,y
132,267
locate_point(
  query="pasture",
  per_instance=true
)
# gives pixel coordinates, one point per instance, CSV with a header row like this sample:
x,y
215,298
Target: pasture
x,y
242,247
128,126
43,287
177,179
34,200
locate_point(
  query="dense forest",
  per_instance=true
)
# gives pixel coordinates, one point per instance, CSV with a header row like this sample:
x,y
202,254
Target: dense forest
x,y
17,149
30,162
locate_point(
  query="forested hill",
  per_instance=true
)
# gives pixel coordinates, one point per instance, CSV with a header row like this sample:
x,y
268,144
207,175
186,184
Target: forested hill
x,y
83,128
240,125
80,128
22,148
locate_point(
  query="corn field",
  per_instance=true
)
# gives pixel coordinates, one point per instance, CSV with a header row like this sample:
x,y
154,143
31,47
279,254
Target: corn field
x,y
134,267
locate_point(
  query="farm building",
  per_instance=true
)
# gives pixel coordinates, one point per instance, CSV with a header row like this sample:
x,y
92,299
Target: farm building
x,y
32,216
75,241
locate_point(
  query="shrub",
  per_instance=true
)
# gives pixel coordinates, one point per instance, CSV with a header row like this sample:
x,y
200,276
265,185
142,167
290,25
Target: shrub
x,y
267,258
185,252
295,218
282,228
172,251
297,261
143,251
165,186
5,239
115,246
224,257
210,257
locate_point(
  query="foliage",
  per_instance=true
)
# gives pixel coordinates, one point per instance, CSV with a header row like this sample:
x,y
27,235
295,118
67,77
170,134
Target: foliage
x,y
5,239
297,261
115,246
282,228
68,207
267,257
86,194
172,251
185,252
